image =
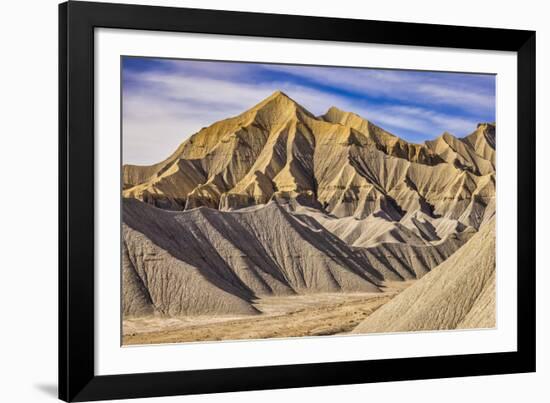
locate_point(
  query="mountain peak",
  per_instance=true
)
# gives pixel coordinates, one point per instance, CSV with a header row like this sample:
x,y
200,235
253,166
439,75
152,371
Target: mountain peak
x,y
334,109
279,93
279,106
337,115
445,136
277,145
486,125
277,97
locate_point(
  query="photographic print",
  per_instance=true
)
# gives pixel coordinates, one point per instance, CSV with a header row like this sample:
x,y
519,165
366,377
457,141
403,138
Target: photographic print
x,y
271,201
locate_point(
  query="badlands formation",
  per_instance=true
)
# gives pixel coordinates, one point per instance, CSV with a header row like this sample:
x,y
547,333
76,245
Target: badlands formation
x,y
279,204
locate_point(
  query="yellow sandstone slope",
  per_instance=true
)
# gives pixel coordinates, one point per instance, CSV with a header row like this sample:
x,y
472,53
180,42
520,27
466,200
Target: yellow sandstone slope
x,y
339,162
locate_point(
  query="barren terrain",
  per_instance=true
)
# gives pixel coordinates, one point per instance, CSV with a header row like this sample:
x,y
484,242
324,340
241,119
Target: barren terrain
x,y
290,316
279,223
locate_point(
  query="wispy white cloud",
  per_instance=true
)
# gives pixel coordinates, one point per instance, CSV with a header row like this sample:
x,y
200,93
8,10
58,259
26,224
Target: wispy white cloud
x,y
424,123
168,108
401,85
163,107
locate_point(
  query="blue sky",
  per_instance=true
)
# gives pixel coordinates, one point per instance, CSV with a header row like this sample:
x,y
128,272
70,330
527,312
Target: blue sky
x,y
167,100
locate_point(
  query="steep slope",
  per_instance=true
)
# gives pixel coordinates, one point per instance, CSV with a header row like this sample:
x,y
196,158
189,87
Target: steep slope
x,y
461,154
339,163
217,158
276,201
402,250
459,293
156,282
432,178
483,141
204,260
381,139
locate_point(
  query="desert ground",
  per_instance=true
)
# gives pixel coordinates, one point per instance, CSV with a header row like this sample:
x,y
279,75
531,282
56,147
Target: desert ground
x,y
290,316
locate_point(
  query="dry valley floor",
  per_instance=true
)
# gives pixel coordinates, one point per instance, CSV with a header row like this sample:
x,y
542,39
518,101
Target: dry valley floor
x,y
290,316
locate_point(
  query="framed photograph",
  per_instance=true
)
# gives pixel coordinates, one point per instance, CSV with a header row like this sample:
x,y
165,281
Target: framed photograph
x,y
256,201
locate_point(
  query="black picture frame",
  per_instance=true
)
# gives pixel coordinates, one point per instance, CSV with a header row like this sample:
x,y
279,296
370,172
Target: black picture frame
x,y
77,379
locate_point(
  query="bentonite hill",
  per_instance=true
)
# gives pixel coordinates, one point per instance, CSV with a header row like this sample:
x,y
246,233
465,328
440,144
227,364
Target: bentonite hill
x,y
279,202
